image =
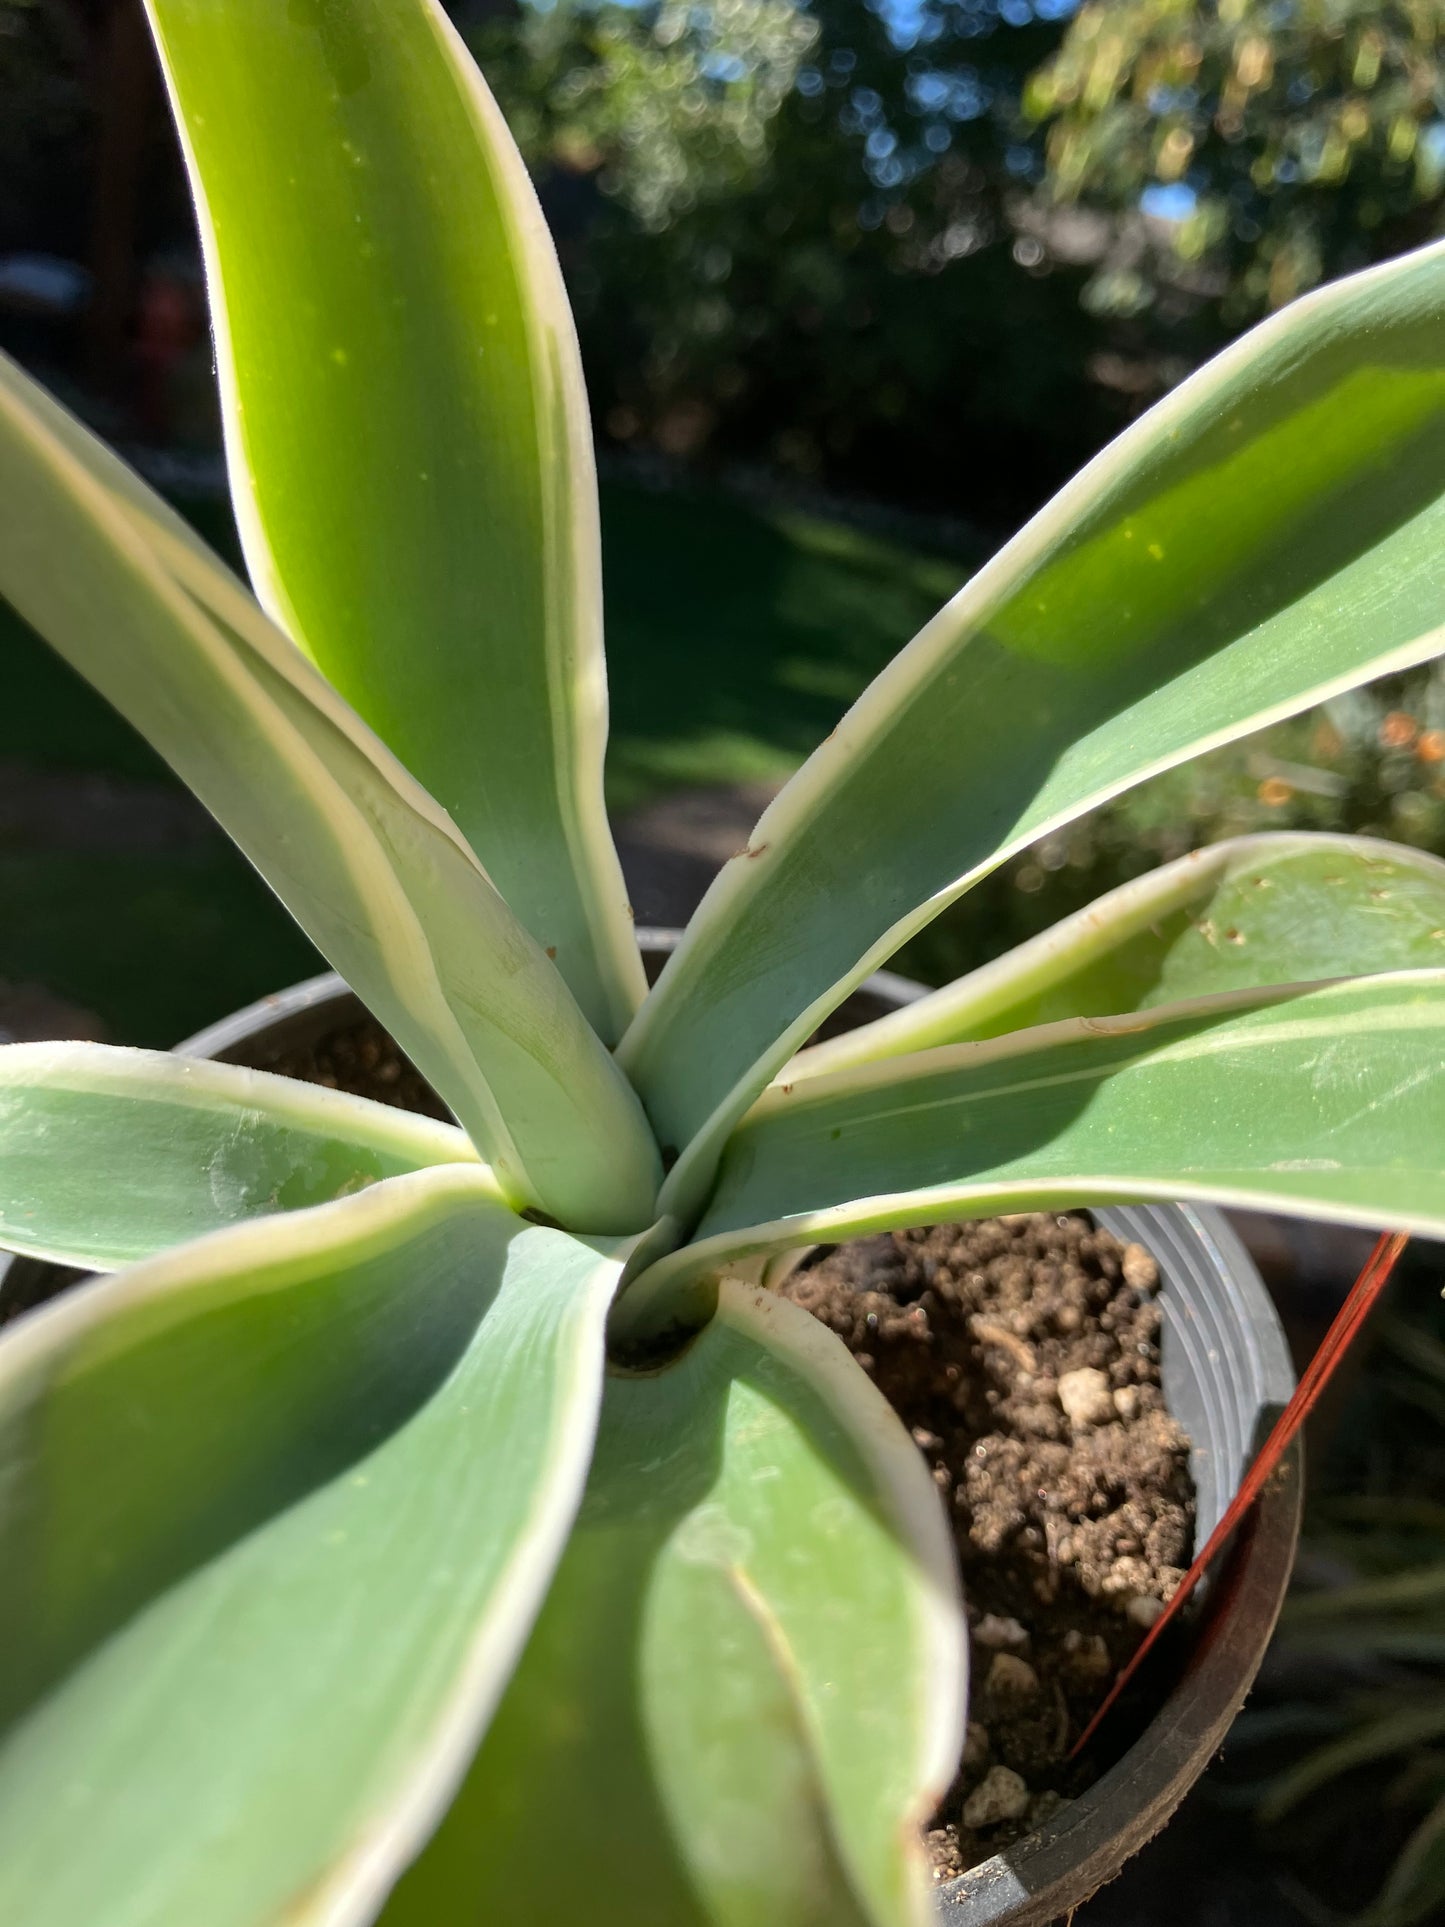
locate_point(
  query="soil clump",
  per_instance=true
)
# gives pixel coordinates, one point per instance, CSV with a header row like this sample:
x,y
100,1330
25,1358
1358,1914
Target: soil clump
x,y
1023,1355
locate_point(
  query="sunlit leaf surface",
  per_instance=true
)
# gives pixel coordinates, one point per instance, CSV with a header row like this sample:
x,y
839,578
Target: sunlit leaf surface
x,y
276,1513
407,432
1270,533
699,1734
107,1156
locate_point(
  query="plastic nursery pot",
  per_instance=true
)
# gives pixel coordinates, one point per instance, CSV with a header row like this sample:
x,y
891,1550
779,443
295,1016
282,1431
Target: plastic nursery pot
x,y
1226,1373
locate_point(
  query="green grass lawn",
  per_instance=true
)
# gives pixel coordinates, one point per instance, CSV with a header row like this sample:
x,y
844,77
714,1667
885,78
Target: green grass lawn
x,y
736,639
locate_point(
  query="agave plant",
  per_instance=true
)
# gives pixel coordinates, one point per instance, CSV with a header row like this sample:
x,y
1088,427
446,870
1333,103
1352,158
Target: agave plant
x,y
439,1522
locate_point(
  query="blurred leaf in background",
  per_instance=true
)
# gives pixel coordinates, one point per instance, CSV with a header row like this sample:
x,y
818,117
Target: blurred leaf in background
x,y
1341,1754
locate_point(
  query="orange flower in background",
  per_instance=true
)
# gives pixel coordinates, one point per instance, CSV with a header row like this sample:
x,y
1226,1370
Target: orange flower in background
x,y
1431,746
1274,792
1398,731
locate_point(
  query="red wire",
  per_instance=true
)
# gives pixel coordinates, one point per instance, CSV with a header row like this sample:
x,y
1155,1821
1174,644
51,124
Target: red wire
x,y
1347,1321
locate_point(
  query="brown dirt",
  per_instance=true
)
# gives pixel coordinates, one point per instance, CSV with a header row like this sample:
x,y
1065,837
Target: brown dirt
x,y
1070,1530
362,1059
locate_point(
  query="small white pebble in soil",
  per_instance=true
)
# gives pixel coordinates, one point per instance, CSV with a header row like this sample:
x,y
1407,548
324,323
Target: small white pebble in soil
x,y
1124,1578
1011,1678
1126,1403
1143,1610
975,1746
1000,1795
1046,1806
1088,1655
1085,1397
1000,1634
1140,1271
1046,1586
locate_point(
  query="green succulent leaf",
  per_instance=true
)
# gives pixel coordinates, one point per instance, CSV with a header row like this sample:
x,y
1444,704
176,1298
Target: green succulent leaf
x,y
699,1708
277,1511
108,1156
1327,1101
1270,533
406,428
370,866
1242,915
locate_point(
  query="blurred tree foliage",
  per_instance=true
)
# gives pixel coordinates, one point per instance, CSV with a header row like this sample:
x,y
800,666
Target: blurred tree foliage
x,y
849,238
666,105
787,232
1285,141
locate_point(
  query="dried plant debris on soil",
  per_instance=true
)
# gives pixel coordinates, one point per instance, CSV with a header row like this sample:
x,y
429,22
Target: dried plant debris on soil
x,y
1023,1354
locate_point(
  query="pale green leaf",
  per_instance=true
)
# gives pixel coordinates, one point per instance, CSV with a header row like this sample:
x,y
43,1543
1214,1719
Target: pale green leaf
x,y
107,1155
745,1690
1365,1599
1326,1101
1405,1726
1259,910
1267,535
277,1511
406,428
370,866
